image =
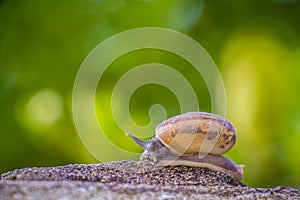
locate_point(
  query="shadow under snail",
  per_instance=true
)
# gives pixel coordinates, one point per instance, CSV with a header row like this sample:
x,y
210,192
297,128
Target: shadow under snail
x,y
193,139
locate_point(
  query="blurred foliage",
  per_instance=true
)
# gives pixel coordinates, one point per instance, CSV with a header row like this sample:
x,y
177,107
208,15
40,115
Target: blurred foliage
x,y
255,44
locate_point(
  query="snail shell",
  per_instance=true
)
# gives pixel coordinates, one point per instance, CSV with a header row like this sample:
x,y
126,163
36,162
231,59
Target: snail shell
x,y
196,132
194,139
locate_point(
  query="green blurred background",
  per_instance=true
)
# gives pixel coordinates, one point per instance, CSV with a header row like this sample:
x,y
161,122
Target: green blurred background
x,y
255,44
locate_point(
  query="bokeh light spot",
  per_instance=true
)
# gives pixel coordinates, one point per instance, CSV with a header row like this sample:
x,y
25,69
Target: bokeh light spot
x,y
43,108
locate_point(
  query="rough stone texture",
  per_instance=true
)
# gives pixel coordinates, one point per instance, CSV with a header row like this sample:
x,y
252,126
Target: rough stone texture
x,y
130,180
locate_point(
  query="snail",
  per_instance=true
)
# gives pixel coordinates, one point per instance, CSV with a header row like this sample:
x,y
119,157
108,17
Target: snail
x,y
193,139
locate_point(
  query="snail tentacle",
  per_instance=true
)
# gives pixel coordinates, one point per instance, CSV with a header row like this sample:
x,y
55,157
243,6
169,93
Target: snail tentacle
x,y
154,149
141,143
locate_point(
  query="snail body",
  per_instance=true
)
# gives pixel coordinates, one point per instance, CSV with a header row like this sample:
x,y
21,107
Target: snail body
x,y
215,163
193,139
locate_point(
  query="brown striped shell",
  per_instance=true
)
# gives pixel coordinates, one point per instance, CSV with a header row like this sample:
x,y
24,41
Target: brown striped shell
x,y
197,132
